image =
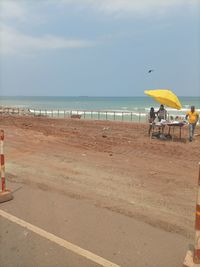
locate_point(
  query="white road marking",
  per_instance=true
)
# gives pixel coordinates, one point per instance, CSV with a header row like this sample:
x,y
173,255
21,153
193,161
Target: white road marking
x,y
61,242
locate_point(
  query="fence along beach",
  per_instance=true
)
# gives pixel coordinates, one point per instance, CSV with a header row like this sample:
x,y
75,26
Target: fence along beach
x,y
84,114
134,109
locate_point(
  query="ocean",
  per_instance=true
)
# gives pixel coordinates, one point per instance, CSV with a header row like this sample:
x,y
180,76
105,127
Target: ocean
x,y
138,106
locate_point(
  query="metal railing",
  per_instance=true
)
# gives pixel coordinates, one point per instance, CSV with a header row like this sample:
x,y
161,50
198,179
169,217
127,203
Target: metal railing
x,y
83,114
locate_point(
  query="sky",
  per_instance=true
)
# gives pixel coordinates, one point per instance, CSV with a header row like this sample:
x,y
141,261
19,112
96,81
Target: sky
x,y
99,47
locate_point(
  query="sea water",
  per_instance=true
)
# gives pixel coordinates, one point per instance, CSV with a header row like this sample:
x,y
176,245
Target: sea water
x,y
138,106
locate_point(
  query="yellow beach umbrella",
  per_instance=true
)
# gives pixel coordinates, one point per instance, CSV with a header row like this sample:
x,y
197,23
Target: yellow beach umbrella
x,y
165,97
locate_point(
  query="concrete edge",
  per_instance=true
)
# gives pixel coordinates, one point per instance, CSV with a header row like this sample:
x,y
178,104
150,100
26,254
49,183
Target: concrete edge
x,y
6,196
188,262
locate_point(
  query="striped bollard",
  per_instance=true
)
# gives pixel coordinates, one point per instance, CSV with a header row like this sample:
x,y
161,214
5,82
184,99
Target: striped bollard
x,y
5,194
196,257
2,162
192,258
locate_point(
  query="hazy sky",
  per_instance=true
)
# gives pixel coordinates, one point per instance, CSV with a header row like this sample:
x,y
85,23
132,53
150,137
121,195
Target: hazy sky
x,y
99,47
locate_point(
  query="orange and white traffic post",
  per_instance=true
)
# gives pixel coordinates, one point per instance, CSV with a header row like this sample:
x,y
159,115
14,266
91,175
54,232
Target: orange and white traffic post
x,y
193,257
5,194
196,257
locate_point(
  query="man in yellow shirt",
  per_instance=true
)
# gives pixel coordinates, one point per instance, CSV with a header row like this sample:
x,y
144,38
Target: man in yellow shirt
x,y
193,118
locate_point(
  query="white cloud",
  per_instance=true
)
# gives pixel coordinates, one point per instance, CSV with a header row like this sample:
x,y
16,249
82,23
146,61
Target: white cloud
x,y
23,11
12,10
14,42
122,7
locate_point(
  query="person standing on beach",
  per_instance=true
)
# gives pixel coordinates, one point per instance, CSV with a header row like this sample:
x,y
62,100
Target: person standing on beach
x,y
192,116
162,113
152,116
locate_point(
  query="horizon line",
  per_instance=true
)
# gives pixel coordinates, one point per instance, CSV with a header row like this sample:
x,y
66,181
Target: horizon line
x,y
85,96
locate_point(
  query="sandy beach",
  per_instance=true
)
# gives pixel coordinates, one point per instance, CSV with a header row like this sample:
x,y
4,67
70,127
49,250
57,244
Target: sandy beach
x,y
113,166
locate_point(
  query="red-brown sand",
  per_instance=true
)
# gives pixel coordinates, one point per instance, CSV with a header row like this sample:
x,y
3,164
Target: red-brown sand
x,y
114,165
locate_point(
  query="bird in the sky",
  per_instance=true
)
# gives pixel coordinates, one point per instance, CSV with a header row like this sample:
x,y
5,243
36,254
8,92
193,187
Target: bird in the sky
x,y
151,70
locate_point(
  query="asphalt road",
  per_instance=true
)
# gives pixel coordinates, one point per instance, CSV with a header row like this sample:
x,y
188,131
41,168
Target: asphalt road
x,y
113,236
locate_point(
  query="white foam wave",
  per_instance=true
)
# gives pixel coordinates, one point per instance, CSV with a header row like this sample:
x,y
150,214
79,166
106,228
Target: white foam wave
x,y
104,113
